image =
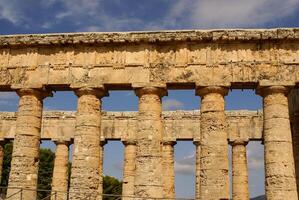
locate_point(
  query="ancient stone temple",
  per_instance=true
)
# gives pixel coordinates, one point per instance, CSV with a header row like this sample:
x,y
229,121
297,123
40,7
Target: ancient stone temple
x,y
209,62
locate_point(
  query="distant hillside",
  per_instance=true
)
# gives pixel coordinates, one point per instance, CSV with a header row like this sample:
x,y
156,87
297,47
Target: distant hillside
x,y
263,197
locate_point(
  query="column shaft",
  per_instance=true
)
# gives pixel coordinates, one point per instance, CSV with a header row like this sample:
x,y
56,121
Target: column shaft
x,y
295,138
279,160
85,175
197,170
60,171
239,170
214,179
101,178
25,155
148,179
168,170
129,170
1,158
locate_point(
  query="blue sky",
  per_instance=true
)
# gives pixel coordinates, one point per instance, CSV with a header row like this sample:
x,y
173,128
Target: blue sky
x,y
42,16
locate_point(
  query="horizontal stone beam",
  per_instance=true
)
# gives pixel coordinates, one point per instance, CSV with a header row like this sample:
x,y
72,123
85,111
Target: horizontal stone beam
x,y
178,125
176,59
149,36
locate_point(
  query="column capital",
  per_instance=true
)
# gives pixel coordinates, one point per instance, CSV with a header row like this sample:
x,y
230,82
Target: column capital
x,y
39,93
202,91
98,92
196,142
65,142
266,90
103,142
129,142
169,142
239,141
160,91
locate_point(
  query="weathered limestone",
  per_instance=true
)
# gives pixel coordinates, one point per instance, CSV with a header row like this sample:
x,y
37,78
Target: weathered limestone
x,y
295,139
60,171
101,177
279,160
1,157
85,175
239,58
129,169
148,179
197,169
168,170
214,165
178,125
294,117
206,59
239,170
25,155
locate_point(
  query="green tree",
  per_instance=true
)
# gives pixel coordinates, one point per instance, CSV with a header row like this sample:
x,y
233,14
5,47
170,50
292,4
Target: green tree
x,y
111,185
45,172
6,164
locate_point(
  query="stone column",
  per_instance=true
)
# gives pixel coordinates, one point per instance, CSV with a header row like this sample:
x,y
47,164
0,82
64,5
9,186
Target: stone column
x,y
25,155
214,164
60,171
102,144
2,144
85,176
148,179
279,161
197,170
294,117
239,170
168,170
129,169
295,138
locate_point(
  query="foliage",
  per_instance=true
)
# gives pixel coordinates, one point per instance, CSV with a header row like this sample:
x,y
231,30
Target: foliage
x,y
46,164
6,164
111,185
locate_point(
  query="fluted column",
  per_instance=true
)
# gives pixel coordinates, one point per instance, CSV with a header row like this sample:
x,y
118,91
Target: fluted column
x,y
85,176
295,138
214,165
279,161
197,169
60,171
168,170
239,170
101,178
129,169
2,144
148,179
25,155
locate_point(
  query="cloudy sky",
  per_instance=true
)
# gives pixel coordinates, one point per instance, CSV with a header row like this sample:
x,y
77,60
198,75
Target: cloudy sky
x,y
42,16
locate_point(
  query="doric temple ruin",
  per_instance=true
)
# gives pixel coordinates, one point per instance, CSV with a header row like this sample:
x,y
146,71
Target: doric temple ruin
x,y
208,62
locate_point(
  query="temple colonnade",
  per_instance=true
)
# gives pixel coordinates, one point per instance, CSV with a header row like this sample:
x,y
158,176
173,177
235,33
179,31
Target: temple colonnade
x,y
211,62
210,155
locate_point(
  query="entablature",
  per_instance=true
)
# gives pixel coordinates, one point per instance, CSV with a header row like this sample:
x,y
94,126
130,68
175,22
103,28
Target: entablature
x,y
178,59
178,125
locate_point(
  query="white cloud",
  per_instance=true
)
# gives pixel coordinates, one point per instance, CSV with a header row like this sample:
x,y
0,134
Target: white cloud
x,y
232,13
255,154
47,25
80,8
172,104
91,15
10,11
185,166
